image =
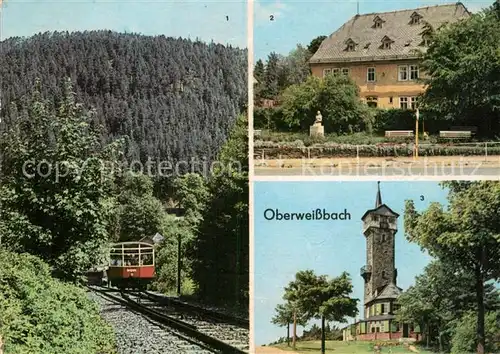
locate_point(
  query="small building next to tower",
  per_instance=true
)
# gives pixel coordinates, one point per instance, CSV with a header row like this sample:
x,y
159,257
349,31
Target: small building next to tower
x,y
380,279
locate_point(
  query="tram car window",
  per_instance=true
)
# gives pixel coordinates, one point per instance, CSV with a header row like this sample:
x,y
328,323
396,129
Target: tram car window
x,y
131,264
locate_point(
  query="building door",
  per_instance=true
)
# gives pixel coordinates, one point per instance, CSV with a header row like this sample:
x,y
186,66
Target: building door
x,y
405,331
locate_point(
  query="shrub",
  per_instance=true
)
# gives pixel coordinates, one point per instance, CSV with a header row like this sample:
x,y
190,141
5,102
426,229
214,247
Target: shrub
x,y
330,150
39,314
464,336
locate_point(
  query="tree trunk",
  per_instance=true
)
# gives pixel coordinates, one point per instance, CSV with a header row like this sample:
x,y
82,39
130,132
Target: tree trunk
x,y
439,339
480,309
288,334
428,334
322,334
294,328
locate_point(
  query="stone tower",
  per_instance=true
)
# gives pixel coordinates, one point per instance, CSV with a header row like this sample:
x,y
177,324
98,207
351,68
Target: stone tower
x,y
379,228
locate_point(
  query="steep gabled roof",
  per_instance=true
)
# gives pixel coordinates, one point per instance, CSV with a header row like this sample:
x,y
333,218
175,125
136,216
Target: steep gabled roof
x,y
396,26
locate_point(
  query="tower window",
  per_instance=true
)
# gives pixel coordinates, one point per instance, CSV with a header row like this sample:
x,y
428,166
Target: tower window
x,y
383,237
384,275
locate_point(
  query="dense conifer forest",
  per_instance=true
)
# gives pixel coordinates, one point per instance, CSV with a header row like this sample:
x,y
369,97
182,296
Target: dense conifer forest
x,y
173,99
89,102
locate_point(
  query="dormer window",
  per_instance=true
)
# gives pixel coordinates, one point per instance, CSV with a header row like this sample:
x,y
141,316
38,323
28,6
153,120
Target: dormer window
x,y
350,45
415,18
386,43
377,22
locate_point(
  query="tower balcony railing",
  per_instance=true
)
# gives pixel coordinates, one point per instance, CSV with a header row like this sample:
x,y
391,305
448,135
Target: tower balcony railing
x,y
366,269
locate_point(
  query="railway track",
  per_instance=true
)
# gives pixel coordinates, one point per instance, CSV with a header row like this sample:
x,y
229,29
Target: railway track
x,y
212,331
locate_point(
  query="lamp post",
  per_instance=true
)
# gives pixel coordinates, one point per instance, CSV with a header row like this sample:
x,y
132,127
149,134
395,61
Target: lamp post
x,y
416,134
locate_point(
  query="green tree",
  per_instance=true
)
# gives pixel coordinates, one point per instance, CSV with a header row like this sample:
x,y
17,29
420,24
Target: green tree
x,y
56,185
322,298
297,66
336,96
315,43
220,248
140,214
284,316
259,75
175,230
271,77
465,235
191,192
440,296
463,67
464,334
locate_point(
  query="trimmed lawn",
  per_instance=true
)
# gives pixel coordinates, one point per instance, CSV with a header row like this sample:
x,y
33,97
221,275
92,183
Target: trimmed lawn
x,y
340,347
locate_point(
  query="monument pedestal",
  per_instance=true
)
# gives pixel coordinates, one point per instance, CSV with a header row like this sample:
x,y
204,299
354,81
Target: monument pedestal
x,y
317,130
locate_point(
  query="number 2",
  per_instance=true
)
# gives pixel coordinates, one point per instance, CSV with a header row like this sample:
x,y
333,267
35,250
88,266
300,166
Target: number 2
x,y
271,17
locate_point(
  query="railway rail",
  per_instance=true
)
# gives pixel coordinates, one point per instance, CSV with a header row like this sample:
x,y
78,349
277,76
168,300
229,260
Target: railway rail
x,y
211,330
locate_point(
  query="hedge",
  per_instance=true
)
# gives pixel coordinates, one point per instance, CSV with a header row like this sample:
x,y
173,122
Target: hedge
x,y
402,150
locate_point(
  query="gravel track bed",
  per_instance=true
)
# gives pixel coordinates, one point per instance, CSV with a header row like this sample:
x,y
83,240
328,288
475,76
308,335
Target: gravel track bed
x,y
222,310
136,334
227,333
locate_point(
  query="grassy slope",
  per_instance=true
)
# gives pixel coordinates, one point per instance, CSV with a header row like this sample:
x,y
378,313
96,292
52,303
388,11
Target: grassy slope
x,y
338,347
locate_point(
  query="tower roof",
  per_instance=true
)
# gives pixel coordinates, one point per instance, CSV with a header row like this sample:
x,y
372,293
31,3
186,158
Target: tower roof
x,y
378,201
380,208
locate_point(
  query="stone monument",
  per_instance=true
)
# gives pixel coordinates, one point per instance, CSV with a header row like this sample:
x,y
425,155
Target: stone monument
x,y
317,129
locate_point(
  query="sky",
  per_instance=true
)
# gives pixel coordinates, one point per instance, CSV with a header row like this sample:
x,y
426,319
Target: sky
x,y
221,21
301,21
282,248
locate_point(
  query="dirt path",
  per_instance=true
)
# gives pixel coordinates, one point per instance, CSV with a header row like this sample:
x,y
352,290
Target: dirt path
x,y
270,350
492,161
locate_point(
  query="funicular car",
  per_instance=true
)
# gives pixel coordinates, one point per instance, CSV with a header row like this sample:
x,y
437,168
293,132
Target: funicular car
x,y
131,264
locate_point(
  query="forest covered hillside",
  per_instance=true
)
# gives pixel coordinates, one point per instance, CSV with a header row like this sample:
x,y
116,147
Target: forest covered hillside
x,y
173,99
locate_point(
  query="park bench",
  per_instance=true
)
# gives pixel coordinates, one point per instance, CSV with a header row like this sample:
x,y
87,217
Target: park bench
x,y
257,132
471,129
398,133
455,134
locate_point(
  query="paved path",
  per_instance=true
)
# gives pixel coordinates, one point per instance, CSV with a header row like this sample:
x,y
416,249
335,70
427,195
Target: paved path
x,y
395,172
443,166
270,350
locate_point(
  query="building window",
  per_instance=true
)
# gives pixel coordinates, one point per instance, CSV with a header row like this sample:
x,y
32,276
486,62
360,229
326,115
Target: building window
x,y
403,73
327,72
383,238
382,308
384,275
371,102
414,101
426,41
335,71
415,20
370,75
390,100
377,22
350,47
386,45
373,329
403,102
414,72
345,71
